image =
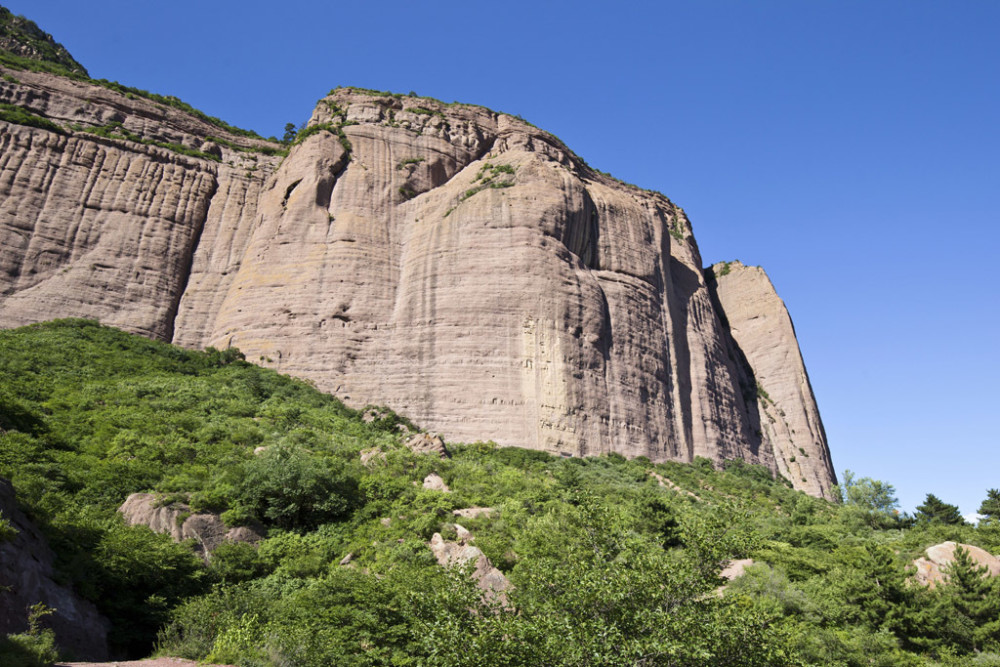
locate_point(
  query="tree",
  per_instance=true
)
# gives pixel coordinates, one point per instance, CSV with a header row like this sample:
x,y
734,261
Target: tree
x,y
874,499
970,605
289,133
935,509
991,506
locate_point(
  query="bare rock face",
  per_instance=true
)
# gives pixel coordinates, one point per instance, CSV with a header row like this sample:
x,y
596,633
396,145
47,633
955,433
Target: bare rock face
x,y
474,512
931,570
456,264
106,227
205,528
425,443
26,578
736,568
434,482
782,407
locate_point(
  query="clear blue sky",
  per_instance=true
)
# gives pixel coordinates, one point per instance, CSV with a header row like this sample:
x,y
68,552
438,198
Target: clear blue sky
x,y
851,148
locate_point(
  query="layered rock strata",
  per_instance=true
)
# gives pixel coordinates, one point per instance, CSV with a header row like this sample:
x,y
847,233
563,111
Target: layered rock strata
x,y
456,264
781,404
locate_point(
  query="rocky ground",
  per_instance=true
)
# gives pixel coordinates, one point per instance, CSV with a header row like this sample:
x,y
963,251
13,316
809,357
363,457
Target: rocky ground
x,y
150,662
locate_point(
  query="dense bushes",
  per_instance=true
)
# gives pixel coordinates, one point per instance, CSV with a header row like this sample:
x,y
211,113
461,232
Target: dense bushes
x,y
608,566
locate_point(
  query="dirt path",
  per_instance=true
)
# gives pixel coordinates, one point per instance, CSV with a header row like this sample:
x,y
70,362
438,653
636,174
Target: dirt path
x,y
149,662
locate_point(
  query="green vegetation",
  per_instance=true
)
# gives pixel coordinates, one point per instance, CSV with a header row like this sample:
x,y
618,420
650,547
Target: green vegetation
x,y
990,508
264,150
21,36
7,531
935,509
34,648
408,162
488,178
20,116
24,35
608,566
115,130
15,62
335,126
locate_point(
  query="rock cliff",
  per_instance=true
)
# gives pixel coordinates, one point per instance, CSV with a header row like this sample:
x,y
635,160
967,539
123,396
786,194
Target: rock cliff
x,y
780,400
456,264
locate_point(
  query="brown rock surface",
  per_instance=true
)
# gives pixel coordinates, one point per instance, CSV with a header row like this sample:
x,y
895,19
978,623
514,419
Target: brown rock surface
x,y
474,512
736,568
781,401
205,528
434,482
425,443
26,578
490,580
930,570
456,264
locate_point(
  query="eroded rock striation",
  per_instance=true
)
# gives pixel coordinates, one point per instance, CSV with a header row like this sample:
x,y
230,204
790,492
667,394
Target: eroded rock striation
x,y
772,375
456,264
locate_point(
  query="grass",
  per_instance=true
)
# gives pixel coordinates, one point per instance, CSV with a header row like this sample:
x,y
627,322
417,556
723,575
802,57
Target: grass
x,y
487,173
115,130
26,32
16,62
409,161
21,116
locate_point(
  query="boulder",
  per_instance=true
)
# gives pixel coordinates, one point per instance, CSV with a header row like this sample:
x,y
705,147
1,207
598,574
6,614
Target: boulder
x,y
425,443
371,456
490,580
176,519
474,512
932,569
434,482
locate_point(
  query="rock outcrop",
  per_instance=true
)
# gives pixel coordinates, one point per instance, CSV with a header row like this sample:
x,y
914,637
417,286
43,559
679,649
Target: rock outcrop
x,y
932,570
27,578
782,408
176,519
490,580
433,482
456,264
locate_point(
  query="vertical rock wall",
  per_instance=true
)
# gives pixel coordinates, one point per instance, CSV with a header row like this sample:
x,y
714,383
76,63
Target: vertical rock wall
x,y
782,405
458,265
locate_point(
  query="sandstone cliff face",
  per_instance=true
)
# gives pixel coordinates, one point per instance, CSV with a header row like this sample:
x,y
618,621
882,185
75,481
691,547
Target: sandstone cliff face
x,y
456,264
783,409
103,227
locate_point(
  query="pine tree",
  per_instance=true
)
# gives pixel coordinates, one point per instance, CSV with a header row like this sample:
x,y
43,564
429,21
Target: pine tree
x,y
935,509
970,604
991,506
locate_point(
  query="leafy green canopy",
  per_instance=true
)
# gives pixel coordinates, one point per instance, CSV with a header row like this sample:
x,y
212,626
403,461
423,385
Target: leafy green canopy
x,y
935,509
608,566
